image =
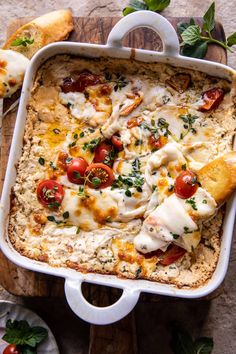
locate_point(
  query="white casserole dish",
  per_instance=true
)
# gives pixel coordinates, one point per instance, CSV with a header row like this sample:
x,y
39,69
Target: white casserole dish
x,y
73,279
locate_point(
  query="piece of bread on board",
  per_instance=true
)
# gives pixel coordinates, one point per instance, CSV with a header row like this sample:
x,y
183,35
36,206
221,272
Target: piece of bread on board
x,y
51,27
219,177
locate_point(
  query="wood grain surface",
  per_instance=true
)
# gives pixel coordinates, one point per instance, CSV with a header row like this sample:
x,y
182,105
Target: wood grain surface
x,y
19,281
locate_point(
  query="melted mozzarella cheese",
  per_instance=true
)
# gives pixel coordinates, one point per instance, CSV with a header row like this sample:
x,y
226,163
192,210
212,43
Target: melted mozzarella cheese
x,y
12,70
80,108
172,221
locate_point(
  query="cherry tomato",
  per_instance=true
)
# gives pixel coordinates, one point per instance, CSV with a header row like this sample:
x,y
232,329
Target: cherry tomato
x,y
186,184
212,98
157,143
172,254
180,82
11,349
117,143
99,175
50,193
76,170
134,122
79,83
104,153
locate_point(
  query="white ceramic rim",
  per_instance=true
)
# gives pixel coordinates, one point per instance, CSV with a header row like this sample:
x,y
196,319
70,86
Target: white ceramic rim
x,y
73,279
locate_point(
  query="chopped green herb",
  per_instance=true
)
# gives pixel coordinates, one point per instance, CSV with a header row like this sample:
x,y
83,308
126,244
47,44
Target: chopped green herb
x,y
53,219
184,167
66,215
128,193
154,187
78,230
192,202
69,159
41,161
92,144
186,229
108,219
75,136
24,41
81,135
53,205
96,182
204,201
138,272
72,144
175,236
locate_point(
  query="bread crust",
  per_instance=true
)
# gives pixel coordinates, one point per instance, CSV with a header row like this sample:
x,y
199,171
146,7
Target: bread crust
x,y
219,177
51,27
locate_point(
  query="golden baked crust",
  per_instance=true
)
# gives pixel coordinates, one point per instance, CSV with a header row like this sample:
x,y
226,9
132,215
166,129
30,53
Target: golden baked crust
x,y
104,243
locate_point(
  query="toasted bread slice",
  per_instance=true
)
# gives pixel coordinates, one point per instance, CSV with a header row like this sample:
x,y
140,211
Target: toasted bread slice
x,y
219,177
51,27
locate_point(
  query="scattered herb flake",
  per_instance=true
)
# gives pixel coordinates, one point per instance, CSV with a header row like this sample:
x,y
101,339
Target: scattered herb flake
x,y
192,202
41,161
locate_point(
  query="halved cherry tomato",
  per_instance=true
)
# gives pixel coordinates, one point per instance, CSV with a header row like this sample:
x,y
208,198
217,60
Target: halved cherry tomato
x,y
11,349
99,175
134,122
159,142
104,153
50,193
180,82
76,170
172,255
117,143
79,83
186,184
212,99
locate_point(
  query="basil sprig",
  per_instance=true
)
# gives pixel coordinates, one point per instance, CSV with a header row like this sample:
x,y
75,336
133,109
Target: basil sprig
x,y
196,39
26,338
24,41
152,5
183,343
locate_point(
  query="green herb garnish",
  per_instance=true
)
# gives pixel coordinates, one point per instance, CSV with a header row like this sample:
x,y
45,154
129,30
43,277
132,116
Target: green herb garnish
x,y
192,202
175,236
92,144
66,215
96,182
152,5
196,39
52,165
188,121
41,161
204,201
24,41
26,338
183,343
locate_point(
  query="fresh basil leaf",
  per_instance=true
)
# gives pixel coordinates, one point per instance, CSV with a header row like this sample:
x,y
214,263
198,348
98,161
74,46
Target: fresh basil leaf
x,y
157,5
66,215
231,40
209,18
198,50
37,335
191,35
24,41
182,26
138,5
181,341
204,345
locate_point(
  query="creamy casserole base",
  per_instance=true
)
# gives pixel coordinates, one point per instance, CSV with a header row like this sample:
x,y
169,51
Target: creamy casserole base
x,y
99,232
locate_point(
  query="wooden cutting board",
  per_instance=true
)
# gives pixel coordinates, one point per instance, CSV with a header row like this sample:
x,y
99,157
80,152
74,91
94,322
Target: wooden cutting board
x,y
17,280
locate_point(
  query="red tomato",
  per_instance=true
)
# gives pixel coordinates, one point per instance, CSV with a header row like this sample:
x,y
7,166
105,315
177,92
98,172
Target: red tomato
x,y
186,184
99,175
157,143
172,254
76,170
212,98
134,122
104,153
117,143
11,349
50,193
79,84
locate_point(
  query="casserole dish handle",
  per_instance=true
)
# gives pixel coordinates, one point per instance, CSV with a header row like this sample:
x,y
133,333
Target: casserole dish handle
x,y
148,19
99,315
